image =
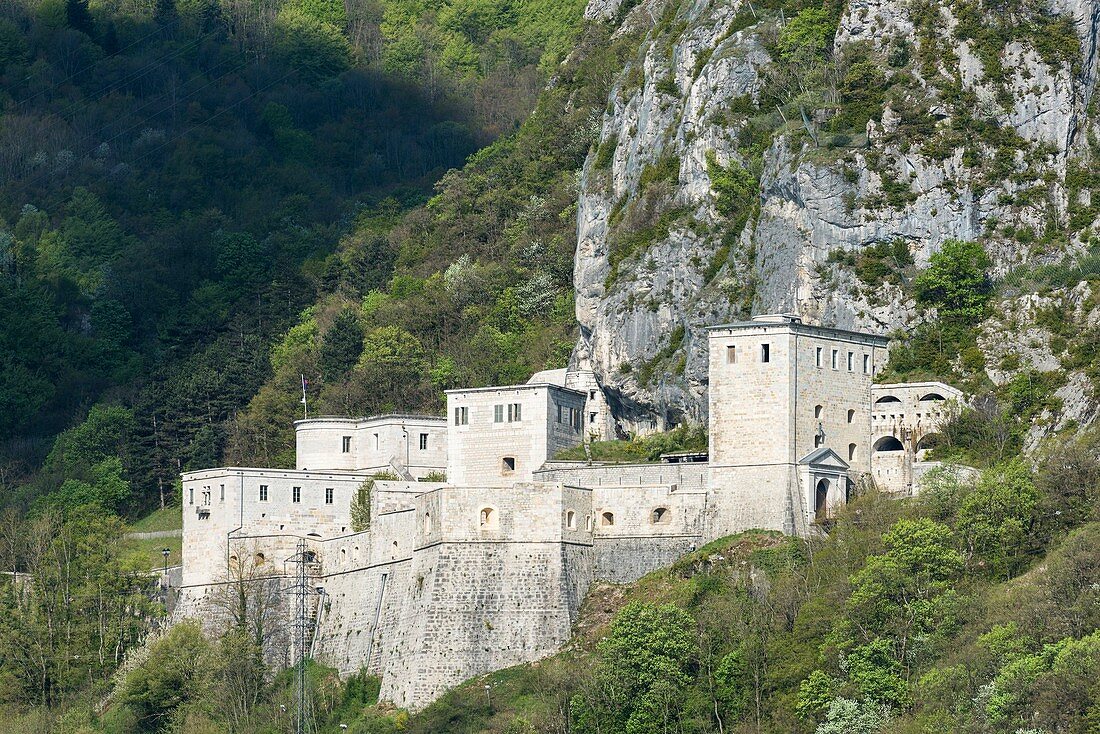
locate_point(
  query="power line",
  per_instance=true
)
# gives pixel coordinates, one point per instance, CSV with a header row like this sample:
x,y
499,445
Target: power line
x,y
35,179
95,63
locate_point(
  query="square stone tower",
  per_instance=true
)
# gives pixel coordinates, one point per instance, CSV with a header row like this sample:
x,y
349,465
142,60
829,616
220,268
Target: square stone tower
x,y
498,436
790,421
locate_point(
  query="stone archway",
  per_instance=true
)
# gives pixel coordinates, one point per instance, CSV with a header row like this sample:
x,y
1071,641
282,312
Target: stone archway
x,y
821,500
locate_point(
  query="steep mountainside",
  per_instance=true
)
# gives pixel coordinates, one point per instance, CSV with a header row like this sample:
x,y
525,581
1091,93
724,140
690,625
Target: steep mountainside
x,y
746,158
751,162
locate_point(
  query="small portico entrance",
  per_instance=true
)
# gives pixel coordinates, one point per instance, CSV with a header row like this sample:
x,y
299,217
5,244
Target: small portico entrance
x,y
823,476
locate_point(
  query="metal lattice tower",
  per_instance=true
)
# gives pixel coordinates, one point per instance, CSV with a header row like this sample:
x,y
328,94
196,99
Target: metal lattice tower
x,y
302,637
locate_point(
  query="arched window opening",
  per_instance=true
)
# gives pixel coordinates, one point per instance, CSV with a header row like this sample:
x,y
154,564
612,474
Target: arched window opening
x,y
588,523
818,410
233,558
851,452
343,553
821,496
928,442
887,444
660,516
607,519
508,465
851,415
259,559
887,399
487,517
935,396
570,519
393,550
427,522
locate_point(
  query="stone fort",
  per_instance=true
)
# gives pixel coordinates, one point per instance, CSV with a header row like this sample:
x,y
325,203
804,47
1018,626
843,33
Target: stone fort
x,y
478,556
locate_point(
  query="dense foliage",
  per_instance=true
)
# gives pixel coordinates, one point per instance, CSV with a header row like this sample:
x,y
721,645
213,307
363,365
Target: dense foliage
x,y
481,290
174,178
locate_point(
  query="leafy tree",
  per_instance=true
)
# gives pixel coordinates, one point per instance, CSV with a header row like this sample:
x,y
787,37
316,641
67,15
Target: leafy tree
x,y
341,346
956,282
644,664
997,518
846,716
13,47
898,599
241,259
808,35
79,17
318,50
102,435
177,670
106,487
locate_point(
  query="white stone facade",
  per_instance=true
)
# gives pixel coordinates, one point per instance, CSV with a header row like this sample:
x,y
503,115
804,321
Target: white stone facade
x,y
416,444
779,391
501,435
488,569
905,420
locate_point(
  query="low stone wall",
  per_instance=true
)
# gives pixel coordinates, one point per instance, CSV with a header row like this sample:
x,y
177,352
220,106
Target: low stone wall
x,y
576,474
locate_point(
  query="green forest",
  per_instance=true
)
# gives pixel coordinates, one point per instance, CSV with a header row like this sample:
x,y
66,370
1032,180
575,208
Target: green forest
x,y
203,202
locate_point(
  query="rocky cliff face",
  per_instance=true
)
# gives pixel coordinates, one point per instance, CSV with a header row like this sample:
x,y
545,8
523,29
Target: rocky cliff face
x,y
735,176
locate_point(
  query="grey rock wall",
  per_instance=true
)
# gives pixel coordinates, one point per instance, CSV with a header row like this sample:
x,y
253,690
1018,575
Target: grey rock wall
x,y
672,103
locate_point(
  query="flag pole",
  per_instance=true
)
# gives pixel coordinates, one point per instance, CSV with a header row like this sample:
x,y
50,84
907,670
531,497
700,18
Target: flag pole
x,y
305,405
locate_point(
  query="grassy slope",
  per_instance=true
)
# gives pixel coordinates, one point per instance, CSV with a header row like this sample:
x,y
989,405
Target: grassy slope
x,y
170,518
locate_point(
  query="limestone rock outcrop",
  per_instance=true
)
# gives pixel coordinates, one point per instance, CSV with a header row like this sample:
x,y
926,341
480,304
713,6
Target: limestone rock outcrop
x,y
964,142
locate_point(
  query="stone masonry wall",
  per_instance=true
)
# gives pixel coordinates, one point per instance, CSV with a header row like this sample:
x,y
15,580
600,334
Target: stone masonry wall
x,y
487,595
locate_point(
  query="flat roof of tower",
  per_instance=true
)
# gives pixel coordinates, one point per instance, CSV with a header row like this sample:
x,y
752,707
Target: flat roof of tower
x,y
525,386
795,323
383,418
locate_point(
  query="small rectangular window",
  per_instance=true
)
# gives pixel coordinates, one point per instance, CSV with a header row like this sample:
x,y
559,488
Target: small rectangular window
x,y
731,355
296,494
423,442
376,442
328,495
263,493
508,464
866,364
835,358
851,361
462,416
514,414
591,417
561,411
346,447
817,356
222,495
498,414
591,394
765,352
191,496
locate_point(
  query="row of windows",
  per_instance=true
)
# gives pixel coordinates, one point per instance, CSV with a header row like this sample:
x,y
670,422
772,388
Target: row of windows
x,y
346,441
835,360
766,356
296,494
207,492
570,416
488,518
819,413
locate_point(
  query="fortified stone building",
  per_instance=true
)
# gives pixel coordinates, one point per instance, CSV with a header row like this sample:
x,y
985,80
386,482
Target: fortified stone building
x,y
487,568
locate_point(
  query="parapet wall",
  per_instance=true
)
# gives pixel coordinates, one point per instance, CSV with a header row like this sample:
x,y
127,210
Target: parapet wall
x,y
577,474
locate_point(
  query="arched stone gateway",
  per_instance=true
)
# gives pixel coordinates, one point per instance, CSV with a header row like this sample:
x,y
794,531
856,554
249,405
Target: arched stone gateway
x,y
821,498
888,443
